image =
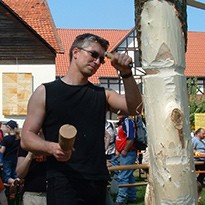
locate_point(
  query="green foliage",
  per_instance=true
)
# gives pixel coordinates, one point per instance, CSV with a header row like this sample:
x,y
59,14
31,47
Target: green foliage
x,y
196,102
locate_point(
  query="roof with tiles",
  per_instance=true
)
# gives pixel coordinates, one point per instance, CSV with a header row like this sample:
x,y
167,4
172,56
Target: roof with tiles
x,y
67,37
195,56
36,14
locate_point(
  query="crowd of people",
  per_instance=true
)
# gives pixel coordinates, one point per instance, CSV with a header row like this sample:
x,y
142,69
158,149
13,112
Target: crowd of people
x,y
20,167
19,164
78,176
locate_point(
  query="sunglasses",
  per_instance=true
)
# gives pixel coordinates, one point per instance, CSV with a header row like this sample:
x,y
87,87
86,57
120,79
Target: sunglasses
x,y
95,55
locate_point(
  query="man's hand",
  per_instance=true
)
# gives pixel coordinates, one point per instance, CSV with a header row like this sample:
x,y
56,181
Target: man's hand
x,y
124,153
58,153
121,62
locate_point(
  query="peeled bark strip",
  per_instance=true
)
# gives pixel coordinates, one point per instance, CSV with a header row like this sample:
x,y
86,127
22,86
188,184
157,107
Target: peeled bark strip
x,y
162,44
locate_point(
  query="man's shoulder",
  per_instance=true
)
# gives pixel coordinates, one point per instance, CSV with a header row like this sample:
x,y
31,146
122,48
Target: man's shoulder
x,y
194,139
6,138
129,120
96,87
52,82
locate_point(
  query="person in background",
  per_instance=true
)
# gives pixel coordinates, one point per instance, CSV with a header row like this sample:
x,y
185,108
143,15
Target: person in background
x,y
199,152
32,169
9,148
1,132
3,199
127,156
1,139
110,149
78,177
192,131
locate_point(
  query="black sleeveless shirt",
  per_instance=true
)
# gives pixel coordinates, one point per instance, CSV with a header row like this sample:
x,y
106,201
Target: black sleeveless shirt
x,y
84,107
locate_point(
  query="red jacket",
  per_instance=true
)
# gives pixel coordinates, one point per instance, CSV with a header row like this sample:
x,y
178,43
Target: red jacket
x,y
126,131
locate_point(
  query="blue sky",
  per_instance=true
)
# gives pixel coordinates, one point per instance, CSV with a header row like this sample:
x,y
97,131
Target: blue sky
x,y
108,14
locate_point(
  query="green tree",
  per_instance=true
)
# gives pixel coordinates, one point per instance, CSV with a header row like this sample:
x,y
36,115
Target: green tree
x,y
196,102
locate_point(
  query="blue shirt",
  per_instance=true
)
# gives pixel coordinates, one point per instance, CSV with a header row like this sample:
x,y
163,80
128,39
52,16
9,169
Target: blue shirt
x,y
199,146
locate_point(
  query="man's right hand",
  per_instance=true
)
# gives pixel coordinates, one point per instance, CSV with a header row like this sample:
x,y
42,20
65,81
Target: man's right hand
x,y
58,153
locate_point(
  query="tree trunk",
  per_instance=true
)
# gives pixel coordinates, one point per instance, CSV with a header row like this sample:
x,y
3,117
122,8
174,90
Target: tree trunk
x,y
162,42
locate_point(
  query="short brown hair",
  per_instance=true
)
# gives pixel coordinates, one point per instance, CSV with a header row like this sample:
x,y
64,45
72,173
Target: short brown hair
x,y
85,39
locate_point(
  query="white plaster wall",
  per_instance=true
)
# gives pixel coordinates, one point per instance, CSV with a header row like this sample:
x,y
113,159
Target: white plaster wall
x,y
40,73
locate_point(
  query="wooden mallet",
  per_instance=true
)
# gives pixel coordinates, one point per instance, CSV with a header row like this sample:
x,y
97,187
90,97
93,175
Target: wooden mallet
x,y
67,134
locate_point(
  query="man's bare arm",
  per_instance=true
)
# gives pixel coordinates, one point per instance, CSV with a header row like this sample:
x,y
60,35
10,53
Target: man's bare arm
x,y
30,140
132,98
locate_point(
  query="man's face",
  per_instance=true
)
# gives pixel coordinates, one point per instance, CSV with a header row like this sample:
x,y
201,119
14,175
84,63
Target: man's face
x,y
90,58
202,134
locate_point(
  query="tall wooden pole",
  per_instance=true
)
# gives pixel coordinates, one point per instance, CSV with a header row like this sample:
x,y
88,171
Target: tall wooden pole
x,y
161,27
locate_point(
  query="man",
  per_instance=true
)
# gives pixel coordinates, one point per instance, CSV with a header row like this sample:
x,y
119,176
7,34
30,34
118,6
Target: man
x,y
199,151
127,155
79,176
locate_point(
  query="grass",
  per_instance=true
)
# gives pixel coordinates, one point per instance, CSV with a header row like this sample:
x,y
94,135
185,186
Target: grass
x,y
140,195
203,196
140,189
